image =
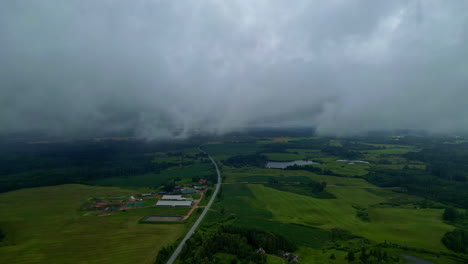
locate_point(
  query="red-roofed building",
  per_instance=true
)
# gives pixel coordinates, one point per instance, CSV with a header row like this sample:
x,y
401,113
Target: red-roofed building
x,y
202,181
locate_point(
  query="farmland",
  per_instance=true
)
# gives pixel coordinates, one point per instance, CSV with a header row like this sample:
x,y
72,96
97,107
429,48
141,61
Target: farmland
x,y
325,210
45,225
390,216
412,229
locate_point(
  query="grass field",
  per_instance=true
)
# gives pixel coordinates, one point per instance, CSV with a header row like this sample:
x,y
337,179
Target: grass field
x,y
421,228
393,151
241,205
343,168
252,174
44,225
314,256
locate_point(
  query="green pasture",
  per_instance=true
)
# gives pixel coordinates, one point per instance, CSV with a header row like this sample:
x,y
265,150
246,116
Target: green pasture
x,y
266,179
331,163
392,151
149,201
422,228
44,225
196,196
273,259
241,208
234,175
315,256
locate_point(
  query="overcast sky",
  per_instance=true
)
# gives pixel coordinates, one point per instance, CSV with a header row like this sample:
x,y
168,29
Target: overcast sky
x,y
172,68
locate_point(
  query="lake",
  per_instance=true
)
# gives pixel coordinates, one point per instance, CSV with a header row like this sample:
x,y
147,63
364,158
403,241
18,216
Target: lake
x,y
283,165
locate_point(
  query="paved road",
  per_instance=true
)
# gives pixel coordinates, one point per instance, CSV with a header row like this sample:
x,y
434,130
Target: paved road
x,y
194,227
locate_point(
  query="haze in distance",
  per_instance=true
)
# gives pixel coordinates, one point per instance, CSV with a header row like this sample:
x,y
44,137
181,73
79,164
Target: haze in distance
x,y
169,69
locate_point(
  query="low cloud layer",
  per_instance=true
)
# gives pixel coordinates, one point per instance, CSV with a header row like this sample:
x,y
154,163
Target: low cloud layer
x,y
174,68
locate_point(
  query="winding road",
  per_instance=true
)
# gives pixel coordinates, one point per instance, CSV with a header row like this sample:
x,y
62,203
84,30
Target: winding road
x,y
194,227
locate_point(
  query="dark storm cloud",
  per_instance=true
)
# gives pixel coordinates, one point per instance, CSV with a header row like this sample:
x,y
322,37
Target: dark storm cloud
x,y
173,68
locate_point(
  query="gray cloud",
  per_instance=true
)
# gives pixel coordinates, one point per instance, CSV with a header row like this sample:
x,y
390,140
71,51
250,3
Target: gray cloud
x,y
174,68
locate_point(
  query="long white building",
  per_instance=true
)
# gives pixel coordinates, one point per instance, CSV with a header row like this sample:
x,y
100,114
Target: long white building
x,y
166,203
173,198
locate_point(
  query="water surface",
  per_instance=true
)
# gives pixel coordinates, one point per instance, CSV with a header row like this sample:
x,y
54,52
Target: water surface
x,y
415,260
283,165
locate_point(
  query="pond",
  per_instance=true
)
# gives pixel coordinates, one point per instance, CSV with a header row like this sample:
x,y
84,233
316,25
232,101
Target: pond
x,y
283,165
354,161
414,260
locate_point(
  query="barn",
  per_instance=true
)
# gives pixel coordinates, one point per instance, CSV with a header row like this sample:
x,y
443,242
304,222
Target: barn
x,y
162,203
173,198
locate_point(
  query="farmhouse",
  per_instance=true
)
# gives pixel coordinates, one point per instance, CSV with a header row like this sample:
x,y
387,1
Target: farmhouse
x,y
165,203
173,198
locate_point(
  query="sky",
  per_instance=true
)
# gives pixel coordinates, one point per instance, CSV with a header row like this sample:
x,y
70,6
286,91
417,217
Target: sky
x,y
171,69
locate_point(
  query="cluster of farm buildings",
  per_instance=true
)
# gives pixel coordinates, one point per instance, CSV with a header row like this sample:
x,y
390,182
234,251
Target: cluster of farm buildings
x,y
174,201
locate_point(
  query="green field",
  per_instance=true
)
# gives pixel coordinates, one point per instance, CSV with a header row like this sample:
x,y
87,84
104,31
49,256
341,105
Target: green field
x,y
253,174
421,228
241,209
392,151
48,224
44,225
343,168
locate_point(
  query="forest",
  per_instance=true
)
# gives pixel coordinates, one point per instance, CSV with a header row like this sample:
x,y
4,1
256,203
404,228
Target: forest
x,y
31,165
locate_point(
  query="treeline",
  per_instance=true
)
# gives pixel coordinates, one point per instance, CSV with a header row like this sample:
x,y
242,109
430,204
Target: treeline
x,y
55,176
422,183
32,165
313,169
361,213
359,249
372,256
311,188
342,152
241,242
456,240
444,179
252,160
446,161
164,254
348,149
